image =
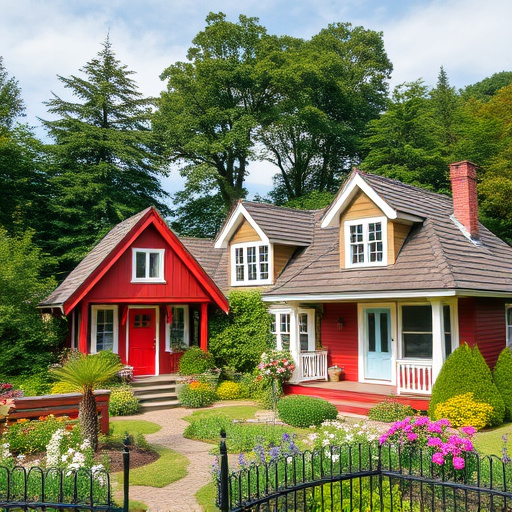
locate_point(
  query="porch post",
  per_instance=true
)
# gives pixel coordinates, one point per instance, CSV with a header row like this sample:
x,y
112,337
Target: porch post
x,y
294,342
203,337
437,337
84,327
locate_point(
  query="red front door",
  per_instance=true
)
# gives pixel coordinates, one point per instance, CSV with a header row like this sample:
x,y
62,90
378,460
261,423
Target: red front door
x,y
142,341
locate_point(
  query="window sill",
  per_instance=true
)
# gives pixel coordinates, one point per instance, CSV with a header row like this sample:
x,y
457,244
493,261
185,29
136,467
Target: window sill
x,y
367,265
149,281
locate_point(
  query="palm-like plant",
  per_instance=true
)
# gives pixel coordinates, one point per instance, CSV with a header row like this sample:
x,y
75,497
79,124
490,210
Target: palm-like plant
x,y
85,374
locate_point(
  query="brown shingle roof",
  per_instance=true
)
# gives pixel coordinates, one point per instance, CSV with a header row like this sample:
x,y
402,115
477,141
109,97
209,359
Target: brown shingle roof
x,y
87,266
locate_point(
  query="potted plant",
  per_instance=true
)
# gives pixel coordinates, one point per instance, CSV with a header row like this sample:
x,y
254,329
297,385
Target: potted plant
x,y
336,373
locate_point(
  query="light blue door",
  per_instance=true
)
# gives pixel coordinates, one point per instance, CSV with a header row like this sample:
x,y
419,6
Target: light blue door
x,y
377,328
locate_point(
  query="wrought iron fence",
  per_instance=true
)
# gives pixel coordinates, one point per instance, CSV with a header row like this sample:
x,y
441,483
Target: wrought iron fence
x,y
365,478
42,489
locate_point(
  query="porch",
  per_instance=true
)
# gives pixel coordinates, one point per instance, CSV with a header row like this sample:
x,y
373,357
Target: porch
x,y
356,397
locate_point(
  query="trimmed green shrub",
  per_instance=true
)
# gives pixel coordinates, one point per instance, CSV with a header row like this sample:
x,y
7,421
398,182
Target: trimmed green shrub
x,y
195,361
36,384
239,339
466,371
304,411
197,394
228,390
123,402
390,411
502,376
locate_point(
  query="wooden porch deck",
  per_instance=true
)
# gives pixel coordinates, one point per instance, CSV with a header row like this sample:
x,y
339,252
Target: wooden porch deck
x,y
355,397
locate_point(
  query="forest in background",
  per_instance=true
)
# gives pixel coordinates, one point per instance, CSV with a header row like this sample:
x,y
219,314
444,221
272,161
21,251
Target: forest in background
x,y
313,108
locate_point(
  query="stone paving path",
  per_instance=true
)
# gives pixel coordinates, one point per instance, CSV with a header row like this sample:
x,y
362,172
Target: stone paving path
x,y
178,496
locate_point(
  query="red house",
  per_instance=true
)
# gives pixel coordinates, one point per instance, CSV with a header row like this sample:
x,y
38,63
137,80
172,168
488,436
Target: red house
x,y
140,293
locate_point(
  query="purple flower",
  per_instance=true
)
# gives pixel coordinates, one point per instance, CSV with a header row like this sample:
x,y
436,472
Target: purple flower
x,y
434,441
468,430
383,439
241,460
274,452
422,420
435,428
458,462
443,422
412,436
438,458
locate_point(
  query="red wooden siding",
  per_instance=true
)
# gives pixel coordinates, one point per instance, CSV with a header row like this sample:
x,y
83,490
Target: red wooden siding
x,y
342,345
482,322
180,284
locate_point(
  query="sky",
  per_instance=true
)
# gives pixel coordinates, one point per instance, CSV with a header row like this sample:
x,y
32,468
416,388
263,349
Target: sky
x,y
39,40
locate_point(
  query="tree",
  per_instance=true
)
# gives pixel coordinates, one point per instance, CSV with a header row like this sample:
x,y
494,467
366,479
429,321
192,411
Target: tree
x,y
105,158
28,344
329,89
214,102
11,103
444,101
85,373
406,142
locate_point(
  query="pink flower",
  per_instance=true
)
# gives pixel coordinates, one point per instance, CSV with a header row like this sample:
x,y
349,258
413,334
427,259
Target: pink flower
x,y
444,422
468,430
422,420
434,441
458,462
438,458
435,428
412,436
383,439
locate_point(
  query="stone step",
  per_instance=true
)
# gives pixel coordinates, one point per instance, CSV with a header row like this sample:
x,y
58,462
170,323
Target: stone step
x,y
153,381
158,406
155,390
150,397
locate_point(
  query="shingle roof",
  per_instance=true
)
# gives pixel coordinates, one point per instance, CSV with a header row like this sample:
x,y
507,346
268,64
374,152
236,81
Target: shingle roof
x,y
288,225
436,254
87,266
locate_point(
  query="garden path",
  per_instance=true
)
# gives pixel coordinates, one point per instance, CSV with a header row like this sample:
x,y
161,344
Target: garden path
x,y
180,495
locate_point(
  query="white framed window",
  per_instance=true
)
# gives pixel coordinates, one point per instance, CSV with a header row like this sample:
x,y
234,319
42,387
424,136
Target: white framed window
x,y
177,332
366,242
148,265
250,264
104,328
508,312
280,328
307,330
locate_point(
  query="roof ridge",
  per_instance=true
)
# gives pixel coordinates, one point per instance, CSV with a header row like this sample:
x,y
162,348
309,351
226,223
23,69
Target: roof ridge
x,y
288,208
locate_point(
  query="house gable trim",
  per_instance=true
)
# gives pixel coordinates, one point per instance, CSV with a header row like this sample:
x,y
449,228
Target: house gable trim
x,y
151,217
236,219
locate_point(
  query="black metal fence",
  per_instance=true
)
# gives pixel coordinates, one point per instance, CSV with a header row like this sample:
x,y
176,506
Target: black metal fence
x,y
58,489
366,478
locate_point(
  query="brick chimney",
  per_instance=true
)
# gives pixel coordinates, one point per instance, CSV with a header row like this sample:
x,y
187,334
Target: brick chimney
x,y
465,202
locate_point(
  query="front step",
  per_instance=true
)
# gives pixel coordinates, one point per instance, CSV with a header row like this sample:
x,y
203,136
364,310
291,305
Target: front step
x,y
156,392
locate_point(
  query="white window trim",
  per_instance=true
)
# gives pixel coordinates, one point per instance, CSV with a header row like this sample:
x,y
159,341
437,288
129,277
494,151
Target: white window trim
x,y
186,334
277,333
246,281
508,339
365,222
311,329
160,278
94,327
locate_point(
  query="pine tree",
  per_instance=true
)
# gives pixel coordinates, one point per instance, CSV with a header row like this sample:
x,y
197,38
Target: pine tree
x,y
106,163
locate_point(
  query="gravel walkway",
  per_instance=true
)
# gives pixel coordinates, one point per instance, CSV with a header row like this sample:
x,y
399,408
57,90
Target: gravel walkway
x,y
178,496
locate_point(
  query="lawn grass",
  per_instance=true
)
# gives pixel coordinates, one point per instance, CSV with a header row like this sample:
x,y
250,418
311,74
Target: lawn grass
x,y
171,466
133,427
490,442
137,506
206,497
235,412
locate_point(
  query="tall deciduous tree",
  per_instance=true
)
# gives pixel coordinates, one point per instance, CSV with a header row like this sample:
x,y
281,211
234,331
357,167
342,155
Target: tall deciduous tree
x,y
106,163
329,89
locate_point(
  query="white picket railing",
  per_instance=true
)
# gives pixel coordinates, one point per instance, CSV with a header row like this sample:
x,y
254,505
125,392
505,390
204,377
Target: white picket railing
x,y
312,365
414,376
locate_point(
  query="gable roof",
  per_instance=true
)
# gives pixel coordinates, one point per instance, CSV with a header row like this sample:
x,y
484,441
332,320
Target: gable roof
x,y
274,224
437,257
101,258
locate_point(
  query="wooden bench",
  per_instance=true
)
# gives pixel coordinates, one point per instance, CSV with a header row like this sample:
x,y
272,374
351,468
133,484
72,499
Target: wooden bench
x,y
60,405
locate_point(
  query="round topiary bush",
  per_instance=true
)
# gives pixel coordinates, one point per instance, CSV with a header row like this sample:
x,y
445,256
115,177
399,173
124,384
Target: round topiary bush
x,y
197,394
463,411
502,376
304,411
390,411
466,371
122,402
195,361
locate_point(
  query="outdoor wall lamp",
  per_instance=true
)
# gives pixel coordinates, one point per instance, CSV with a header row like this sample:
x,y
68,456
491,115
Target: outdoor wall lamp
x,y
340,323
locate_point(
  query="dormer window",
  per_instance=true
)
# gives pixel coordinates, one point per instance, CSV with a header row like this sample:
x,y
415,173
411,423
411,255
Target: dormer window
x,y
366,242
148,266
250,264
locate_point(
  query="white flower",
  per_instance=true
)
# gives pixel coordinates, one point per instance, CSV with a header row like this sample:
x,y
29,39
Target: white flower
x,y
335,458
312,437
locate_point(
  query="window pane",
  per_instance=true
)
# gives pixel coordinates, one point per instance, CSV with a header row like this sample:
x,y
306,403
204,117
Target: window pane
x,y
273,324
417,318
304,343
263,255
239,262
239,256
447,331
104,329
154,264
371,332
418,345
285,341
140,264
303,323
177,330
285,322
384,341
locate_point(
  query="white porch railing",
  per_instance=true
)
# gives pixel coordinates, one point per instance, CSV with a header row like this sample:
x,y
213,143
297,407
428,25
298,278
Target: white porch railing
x,y
414,376
312,366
